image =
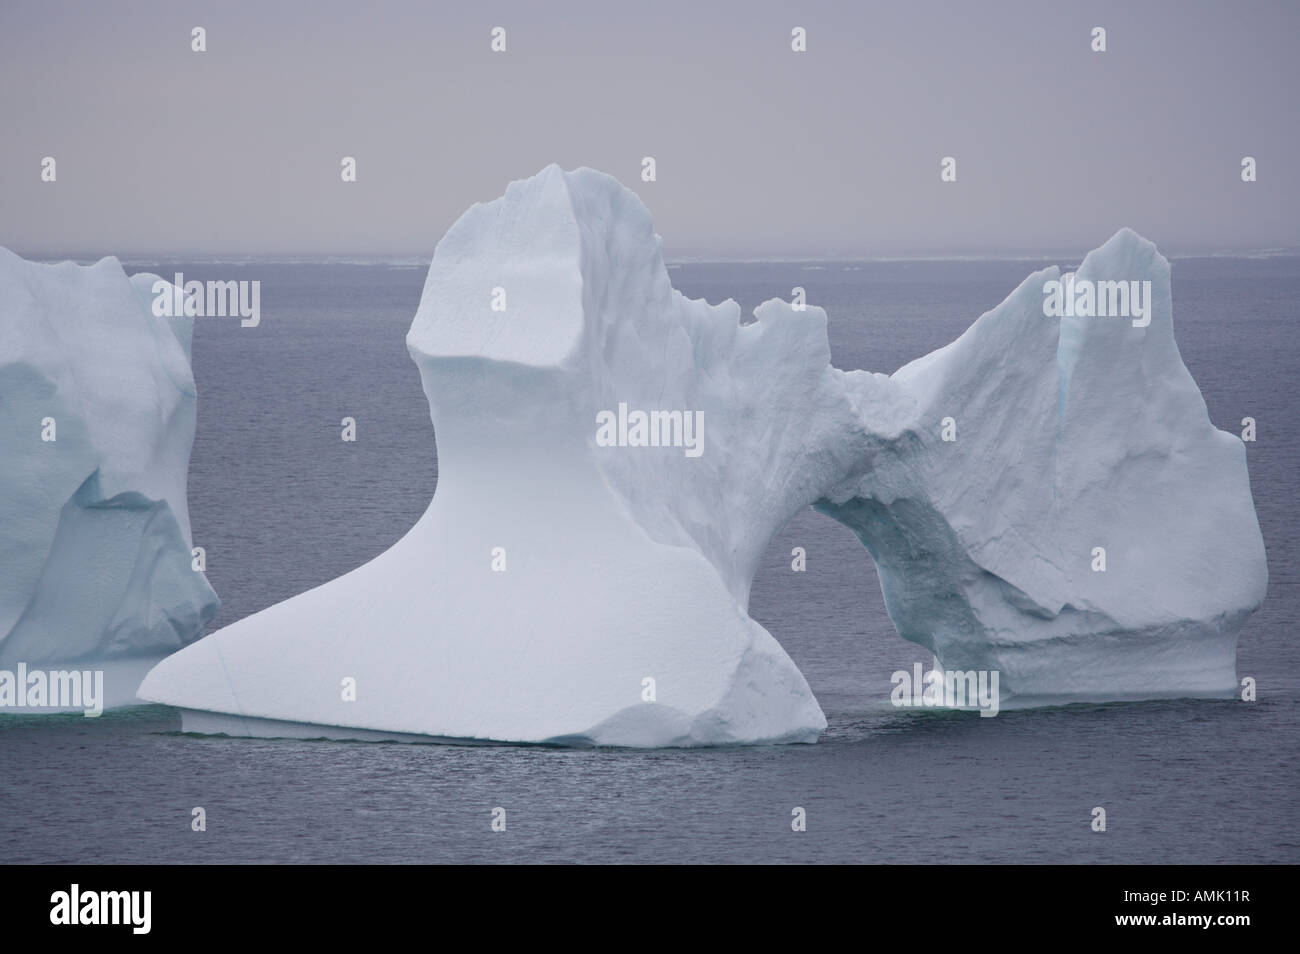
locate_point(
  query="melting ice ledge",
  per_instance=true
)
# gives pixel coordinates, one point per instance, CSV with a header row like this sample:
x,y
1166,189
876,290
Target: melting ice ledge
x,y
626,568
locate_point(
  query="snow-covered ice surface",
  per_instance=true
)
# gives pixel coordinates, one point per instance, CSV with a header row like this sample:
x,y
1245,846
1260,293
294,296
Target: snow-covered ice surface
x,y
95,562
624,564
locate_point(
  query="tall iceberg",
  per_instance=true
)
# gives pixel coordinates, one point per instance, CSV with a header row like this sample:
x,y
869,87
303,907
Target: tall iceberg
x,y
97,418
1088,534
614,458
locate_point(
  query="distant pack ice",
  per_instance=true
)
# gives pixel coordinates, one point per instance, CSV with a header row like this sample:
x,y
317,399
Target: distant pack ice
x,y
562,588
97,416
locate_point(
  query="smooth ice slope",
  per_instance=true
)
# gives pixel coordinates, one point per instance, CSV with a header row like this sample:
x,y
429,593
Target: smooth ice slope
x,y
597,595
95,567
632,563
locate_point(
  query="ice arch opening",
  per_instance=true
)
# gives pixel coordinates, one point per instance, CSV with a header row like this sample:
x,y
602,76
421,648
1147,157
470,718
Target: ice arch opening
x,y
573,584
830,617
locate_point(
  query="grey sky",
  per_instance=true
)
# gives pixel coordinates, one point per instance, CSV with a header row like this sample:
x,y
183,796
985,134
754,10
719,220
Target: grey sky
x,y
761,152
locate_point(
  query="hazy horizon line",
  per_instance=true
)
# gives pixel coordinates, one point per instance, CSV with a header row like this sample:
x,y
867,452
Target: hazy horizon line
x,y
412,260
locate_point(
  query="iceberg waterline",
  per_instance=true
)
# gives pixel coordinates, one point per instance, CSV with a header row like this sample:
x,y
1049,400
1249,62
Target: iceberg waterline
x,y
97,418
564,588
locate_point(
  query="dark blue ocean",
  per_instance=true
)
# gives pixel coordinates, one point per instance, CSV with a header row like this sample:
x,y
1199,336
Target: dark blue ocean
x,y
282,505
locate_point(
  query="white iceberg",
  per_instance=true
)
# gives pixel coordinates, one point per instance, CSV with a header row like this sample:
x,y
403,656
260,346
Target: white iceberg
x,y
571,582
1089,534
97,416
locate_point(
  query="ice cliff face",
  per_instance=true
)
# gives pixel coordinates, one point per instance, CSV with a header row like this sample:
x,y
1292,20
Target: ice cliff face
x,y
569,583
97,415
1078,440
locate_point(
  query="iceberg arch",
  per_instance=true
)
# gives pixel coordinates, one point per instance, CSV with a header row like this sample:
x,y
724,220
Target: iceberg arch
x,y
565,588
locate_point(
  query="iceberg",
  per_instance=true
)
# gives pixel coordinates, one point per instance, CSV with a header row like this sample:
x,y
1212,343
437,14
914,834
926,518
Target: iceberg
x,y
97,418
615,457
1088,533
